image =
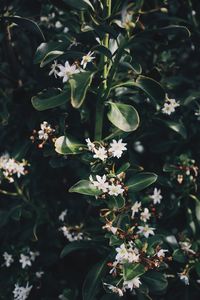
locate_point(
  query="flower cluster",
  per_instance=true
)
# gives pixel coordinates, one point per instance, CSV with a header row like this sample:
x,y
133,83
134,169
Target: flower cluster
x,y
46,133
169,106
67,70
111,186
73,233
101,152
11,168
22,293
25,259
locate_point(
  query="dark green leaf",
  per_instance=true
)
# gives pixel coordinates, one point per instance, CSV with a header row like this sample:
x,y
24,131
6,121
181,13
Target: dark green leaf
x,y
78,245
140,181
155,281
131,271
50,98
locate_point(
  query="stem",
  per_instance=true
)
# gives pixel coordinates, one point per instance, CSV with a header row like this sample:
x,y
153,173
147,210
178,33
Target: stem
x,y
101,98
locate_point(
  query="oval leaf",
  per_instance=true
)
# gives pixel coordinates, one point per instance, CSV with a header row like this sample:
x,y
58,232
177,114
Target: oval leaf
x,y
123,116
79,85
140,181
68,145
131,271
78,245
50,98
85,187
155,281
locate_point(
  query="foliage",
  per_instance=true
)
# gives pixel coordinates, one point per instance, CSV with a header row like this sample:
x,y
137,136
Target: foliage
x,y
99,149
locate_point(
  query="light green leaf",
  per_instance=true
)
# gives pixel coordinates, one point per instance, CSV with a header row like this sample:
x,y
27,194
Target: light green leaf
x,y
131,271
93,280
79,85
50,98
68,145
140,181
123,116
85,187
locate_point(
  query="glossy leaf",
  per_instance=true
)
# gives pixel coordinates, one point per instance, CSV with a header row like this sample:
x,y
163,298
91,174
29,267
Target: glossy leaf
x,y
123,116
116,202
93,280
177,127
79,4
85,187
155,281
68,145
140,181
50,99
79,85
131,271
78,245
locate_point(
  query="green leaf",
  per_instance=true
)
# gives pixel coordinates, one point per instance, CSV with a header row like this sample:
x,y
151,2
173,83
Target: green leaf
x,y
179,256
93,280
45,48
79,4
123,168
78,245
131,271
197,268
68,145
156,281
79,85
85,187
50,99
116,202
151,87
26,24
140,181
177,127
123,116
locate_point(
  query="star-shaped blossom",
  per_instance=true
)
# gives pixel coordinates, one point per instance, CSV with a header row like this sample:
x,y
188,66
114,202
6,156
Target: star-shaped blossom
x,y
145,215
101,183
135,208
131,284
115,190
87,59
54,69
122,253
117,148
66,71
156,196
146,231
100,153
114,289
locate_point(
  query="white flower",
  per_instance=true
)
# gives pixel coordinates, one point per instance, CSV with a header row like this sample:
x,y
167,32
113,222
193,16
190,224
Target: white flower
x,y
110,228
25,261
100,153
62,215
45,131
161,253
54,69
33,255
145,215
71,235
21,293
146,230
122,253
87,59
39,274
156,197
66,71
131,284
185,246
135,208
133,255
115,190
138,147
169,106
117,148
8,259
90,145
58,24
114,289
101,183
114,267
184,278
